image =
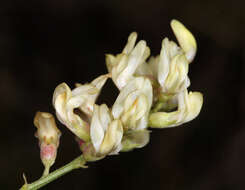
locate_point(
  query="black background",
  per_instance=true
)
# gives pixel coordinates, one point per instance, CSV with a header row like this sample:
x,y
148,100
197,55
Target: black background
x,y
44,43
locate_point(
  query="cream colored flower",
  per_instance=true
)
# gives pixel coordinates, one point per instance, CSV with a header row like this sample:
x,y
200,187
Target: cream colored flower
x,y
185,38
48,135
170,68
82,97
133,104
106,133
189,106
123,66
88,93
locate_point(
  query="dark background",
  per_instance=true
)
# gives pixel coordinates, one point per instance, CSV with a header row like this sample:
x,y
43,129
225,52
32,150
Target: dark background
x,y
44,43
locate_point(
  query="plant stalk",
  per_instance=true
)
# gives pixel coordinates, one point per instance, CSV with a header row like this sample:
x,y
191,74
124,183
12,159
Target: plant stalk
x,y
79,162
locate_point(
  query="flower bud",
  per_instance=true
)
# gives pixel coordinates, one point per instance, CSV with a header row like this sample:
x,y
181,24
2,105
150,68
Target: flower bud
x,y
106,133
133,104
123,66
189,106
82,97
185,38
48,135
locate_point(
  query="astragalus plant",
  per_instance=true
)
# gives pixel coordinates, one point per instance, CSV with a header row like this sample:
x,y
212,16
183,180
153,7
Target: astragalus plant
x,y
153,94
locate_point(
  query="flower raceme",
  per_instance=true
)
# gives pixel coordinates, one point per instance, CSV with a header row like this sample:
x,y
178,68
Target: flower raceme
x,y
152,93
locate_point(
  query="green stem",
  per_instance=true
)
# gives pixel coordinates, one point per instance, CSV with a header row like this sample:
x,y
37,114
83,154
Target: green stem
x,y
46,171
79,162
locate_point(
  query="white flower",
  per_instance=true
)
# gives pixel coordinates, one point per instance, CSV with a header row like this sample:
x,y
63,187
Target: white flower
x,y
82,97
189,106
170,68
87,94
123,66
133,104
185,38
106,133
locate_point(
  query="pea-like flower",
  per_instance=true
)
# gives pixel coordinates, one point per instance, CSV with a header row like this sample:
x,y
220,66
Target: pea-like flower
x,y
83,97
189,106
106,133
133,104
123,66
170,68
48,135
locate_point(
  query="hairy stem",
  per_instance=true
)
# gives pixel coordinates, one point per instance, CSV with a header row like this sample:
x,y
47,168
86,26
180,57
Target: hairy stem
x,y
79,162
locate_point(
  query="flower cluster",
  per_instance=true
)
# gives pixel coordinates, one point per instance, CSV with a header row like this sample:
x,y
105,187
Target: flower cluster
x,y
153,93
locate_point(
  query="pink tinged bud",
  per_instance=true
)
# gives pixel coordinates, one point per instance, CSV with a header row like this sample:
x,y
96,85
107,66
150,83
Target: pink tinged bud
x,y
48,153
48,135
